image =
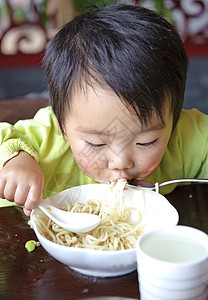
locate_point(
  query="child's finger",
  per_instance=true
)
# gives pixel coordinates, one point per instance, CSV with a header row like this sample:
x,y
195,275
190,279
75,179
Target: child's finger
x,y
9,190
2,186
33,198
26,211
21,194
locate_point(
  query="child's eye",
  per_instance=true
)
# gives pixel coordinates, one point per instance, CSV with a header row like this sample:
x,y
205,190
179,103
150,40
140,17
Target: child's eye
x,y
95,145
147,144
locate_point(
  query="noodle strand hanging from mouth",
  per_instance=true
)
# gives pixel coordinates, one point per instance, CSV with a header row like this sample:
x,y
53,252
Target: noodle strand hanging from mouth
x,y
115,231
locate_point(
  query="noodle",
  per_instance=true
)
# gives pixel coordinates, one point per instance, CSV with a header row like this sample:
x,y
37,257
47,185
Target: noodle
x,y
115,231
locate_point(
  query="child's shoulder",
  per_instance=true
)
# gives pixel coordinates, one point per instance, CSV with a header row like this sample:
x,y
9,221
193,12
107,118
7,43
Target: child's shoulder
x,y
44,118
193,113
45,115
193,118
47,111
191,128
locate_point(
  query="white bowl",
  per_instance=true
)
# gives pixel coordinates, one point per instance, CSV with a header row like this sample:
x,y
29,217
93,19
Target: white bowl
x,y
157,213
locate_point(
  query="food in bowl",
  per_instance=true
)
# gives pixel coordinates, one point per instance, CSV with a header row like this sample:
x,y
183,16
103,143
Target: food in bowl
x,y
148,209
116,231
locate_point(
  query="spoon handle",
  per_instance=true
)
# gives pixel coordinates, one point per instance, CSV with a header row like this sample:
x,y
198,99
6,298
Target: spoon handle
x,y
183,180
167,182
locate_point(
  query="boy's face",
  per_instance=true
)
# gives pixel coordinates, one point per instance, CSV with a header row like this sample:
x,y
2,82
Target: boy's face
x,y
109,142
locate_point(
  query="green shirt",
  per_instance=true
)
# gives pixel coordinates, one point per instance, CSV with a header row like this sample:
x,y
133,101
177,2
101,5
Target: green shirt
x,y
186,155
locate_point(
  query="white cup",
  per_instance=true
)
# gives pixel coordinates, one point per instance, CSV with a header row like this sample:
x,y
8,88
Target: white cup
x,y
172,264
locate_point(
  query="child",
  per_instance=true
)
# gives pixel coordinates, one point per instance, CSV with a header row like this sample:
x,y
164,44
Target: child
x,y
116,79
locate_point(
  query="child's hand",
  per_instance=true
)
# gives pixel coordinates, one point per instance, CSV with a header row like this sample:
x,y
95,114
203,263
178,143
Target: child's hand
x,y
22,182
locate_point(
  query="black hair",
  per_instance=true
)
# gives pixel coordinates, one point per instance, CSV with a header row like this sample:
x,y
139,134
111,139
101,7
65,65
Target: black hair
x,y
131,49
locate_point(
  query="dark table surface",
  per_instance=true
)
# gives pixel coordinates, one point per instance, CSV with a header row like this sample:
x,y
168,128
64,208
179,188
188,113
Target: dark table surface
x,y
38,276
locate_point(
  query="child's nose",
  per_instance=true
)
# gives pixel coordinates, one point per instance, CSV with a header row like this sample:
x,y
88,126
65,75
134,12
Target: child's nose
x,y
121,161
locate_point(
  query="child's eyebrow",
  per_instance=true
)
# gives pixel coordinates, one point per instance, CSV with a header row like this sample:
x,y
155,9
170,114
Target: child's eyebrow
x,y
155,127
94,131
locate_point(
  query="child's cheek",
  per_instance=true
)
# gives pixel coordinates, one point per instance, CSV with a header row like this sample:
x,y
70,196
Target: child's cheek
x,y
149,165
91,165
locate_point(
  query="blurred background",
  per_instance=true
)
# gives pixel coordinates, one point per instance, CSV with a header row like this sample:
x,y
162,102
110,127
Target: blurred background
x,y
27,25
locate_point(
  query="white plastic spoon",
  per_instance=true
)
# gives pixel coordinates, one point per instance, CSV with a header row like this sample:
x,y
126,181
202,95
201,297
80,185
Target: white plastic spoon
x,y
75,222
152,186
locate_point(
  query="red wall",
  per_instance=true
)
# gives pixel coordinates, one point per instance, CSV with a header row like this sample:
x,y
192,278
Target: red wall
x,y
22,44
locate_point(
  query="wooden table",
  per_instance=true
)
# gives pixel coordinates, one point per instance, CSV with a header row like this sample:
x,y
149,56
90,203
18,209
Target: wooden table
x,y
18,109
38,276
